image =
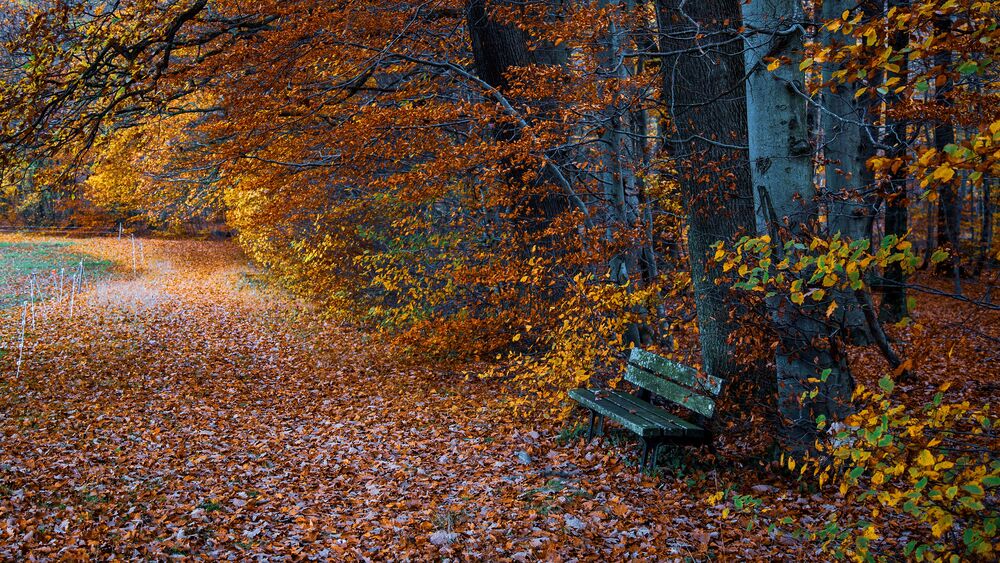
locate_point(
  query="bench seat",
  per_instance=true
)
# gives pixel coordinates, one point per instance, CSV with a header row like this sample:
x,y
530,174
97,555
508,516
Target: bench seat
x,y
638,416
672,382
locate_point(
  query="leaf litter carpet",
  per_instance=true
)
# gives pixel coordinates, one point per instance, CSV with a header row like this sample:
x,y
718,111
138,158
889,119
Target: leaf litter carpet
x,y
183,412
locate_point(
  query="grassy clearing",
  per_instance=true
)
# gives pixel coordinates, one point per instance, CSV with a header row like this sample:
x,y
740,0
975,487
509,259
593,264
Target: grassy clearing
x,y
45,259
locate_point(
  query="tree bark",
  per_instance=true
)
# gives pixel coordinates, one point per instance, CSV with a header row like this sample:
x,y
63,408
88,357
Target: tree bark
x,y
893,307
986,232
497,48
786,204
949,210
847,146
704,95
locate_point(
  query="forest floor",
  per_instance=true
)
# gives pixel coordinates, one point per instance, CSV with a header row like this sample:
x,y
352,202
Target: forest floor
x,y
187,410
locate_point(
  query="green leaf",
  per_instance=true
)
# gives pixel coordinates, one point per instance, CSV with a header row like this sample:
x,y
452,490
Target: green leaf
x,y
886,384
968,67
974,489
938,256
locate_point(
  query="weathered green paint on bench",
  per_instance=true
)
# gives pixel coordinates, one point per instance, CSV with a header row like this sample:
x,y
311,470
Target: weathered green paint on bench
x,y
601,403
674,382
680,373
638,416
670,391
689,428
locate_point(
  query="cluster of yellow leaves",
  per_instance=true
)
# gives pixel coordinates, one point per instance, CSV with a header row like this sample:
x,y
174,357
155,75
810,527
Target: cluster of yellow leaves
x,y
586,340
811,271
973,158
934,466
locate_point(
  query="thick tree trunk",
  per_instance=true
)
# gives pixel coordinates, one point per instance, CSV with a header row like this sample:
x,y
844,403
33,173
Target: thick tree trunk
x,y
497,48
786,203
704,95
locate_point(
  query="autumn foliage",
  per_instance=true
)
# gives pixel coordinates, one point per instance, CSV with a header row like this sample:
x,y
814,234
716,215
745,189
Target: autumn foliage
x,y
516,193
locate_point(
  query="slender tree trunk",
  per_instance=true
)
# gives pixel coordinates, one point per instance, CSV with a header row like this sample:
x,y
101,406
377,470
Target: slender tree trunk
x,y
786,204
894,307
930,243
986,232
949,210
619,155
847,146
705,98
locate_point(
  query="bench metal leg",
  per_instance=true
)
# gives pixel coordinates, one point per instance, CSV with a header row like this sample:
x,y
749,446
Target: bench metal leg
x,y
600,425
590,428
645,455
650,451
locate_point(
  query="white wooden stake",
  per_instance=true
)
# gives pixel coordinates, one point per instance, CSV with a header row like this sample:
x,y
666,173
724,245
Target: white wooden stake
x,y
20,346
33,285
72,295
133,255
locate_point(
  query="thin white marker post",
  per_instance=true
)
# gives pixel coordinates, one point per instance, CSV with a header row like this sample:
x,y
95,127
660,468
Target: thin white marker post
x,y
72,295
133,255
119,231
33,285
62,276
20,346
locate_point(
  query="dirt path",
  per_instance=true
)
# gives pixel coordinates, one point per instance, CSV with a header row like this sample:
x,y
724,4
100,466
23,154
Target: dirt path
x,y
184,412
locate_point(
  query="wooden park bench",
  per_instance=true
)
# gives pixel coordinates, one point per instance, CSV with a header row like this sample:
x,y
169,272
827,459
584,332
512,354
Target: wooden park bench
x,y
653,375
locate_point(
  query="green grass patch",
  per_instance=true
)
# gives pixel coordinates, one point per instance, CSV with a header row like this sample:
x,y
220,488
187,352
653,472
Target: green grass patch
x,y
19,260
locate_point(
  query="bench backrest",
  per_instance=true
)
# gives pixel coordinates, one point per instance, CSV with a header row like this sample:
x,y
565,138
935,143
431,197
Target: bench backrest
x,y
672,381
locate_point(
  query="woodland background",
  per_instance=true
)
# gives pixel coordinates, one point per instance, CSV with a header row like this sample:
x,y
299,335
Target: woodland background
x,y
797,197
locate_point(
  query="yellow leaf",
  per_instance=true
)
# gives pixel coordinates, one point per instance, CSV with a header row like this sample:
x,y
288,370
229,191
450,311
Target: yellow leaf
x,y
925,458
805,63
516,337
830,309
942,525
771,66
943,173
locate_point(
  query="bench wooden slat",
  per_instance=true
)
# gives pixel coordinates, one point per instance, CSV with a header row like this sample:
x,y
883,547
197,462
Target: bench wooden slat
x,y
671,391
678,372
632,421
689,428
644,410
639,417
